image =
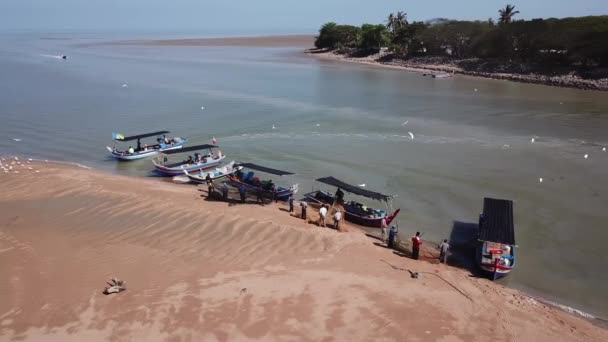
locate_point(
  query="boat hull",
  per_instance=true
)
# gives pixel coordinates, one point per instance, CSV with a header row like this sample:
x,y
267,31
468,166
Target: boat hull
x,y
282,195
144,154
179,170
217,174
493,269
320,197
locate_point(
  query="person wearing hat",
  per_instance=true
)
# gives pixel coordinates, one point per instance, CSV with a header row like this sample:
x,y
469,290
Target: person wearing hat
x,y
337,219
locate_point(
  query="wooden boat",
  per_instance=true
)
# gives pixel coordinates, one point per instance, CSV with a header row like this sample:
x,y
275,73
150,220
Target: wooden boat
x,y
442,75
215,174
253,184
144,151
496,241
192,164
355,212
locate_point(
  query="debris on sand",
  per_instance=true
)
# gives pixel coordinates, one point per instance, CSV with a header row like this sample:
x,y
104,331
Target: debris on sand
x,y
116,286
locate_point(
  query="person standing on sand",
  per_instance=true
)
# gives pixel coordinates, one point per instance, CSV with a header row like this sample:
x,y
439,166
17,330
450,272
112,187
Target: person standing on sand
x,y
225,192
242,192
392,237
384,227
304,206
290,201
322,215
444,247
337,219
416,243
260,197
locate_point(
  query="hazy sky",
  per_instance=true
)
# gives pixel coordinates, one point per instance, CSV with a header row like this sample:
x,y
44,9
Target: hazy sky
x,y
260,15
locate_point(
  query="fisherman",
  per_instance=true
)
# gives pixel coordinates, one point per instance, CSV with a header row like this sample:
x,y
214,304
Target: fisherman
x,y
304,206
290,201
384,227
225,192
131,150
416,243
392,237
339,196
444,247
167,141
242,192
274,194
337,219
190,160
208,179
322,215
259,193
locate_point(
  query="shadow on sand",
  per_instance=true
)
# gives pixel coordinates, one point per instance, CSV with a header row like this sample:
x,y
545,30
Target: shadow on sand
x,y
463,241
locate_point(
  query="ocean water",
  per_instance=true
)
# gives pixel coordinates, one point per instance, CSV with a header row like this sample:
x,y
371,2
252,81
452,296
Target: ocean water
x,y
472,137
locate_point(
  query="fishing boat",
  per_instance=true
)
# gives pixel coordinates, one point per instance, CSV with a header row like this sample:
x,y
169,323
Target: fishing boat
x,y
144,151
355,212
496,241
253,183
442,75
215,174
198,162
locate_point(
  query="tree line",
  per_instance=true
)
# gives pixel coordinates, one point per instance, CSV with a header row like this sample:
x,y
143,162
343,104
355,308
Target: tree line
x,y
580,41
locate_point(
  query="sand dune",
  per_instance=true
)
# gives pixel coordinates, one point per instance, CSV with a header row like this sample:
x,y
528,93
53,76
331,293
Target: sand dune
x,y
207,271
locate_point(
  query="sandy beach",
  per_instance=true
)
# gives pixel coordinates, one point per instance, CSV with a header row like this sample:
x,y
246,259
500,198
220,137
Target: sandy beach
x,y
199,270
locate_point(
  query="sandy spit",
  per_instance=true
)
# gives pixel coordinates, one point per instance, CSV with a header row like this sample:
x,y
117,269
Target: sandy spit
x,y
208,271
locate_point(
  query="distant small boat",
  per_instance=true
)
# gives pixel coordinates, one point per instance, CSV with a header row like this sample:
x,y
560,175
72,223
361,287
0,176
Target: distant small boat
x,y
64,57
199,162
442,75
496,241
145,151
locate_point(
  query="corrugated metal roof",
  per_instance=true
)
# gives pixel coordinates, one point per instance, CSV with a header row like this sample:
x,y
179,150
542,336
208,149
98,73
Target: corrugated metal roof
x,y
496,223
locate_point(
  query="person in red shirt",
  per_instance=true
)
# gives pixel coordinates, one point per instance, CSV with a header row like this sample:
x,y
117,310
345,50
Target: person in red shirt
x,y
416,243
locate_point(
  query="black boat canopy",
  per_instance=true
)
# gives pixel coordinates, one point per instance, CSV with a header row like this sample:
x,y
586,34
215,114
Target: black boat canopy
x,y
354,189
496,225
189,149
141,136
266,169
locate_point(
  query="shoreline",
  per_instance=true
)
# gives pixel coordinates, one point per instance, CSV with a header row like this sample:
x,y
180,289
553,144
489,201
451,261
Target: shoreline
x,y
381,60
87,213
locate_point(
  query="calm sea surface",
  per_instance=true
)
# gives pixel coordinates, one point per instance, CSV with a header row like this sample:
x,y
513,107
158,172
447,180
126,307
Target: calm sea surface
x,y
341,120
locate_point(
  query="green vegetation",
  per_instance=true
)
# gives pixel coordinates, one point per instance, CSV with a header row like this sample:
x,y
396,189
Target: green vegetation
x,y
581,41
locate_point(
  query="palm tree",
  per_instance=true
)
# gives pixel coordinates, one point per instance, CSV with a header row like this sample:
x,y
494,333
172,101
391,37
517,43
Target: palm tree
x,y
506,14
395,22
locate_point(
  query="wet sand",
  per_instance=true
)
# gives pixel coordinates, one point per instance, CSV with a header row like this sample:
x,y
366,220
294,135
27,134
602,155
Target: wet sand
x,y
306,41
209,271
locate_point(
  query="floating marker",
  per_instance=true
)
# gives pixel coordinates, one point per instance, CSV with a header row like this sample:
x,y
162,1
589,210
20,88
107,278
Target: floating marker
x,y
506,146
586,156
17,139
411,135
532,140
540,179
603,149
318,125
125,85
202,107
273,127
475,89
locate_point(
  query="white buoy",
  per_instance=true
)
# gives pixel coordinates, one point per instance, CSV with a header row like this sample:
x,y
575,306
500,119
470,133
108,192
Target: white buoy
x,y
411,135
405,122
17,139
362,185
532,140
475,89
274,127
540,179
586,156
604,149
125,85
318,125
506,145
202,107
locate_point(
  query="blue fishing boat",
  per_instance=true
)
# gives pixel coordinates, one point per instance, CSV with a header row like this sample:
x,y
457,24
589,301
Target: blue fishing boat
x,y
252,183
496,240
163,143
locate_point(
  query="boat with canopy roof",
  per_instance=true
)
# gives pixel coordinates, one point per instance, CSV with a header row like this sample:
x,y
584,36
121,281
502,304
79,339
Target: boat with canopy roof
x,y
496,240
198,162
163,143
355,212
253,183
214,174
